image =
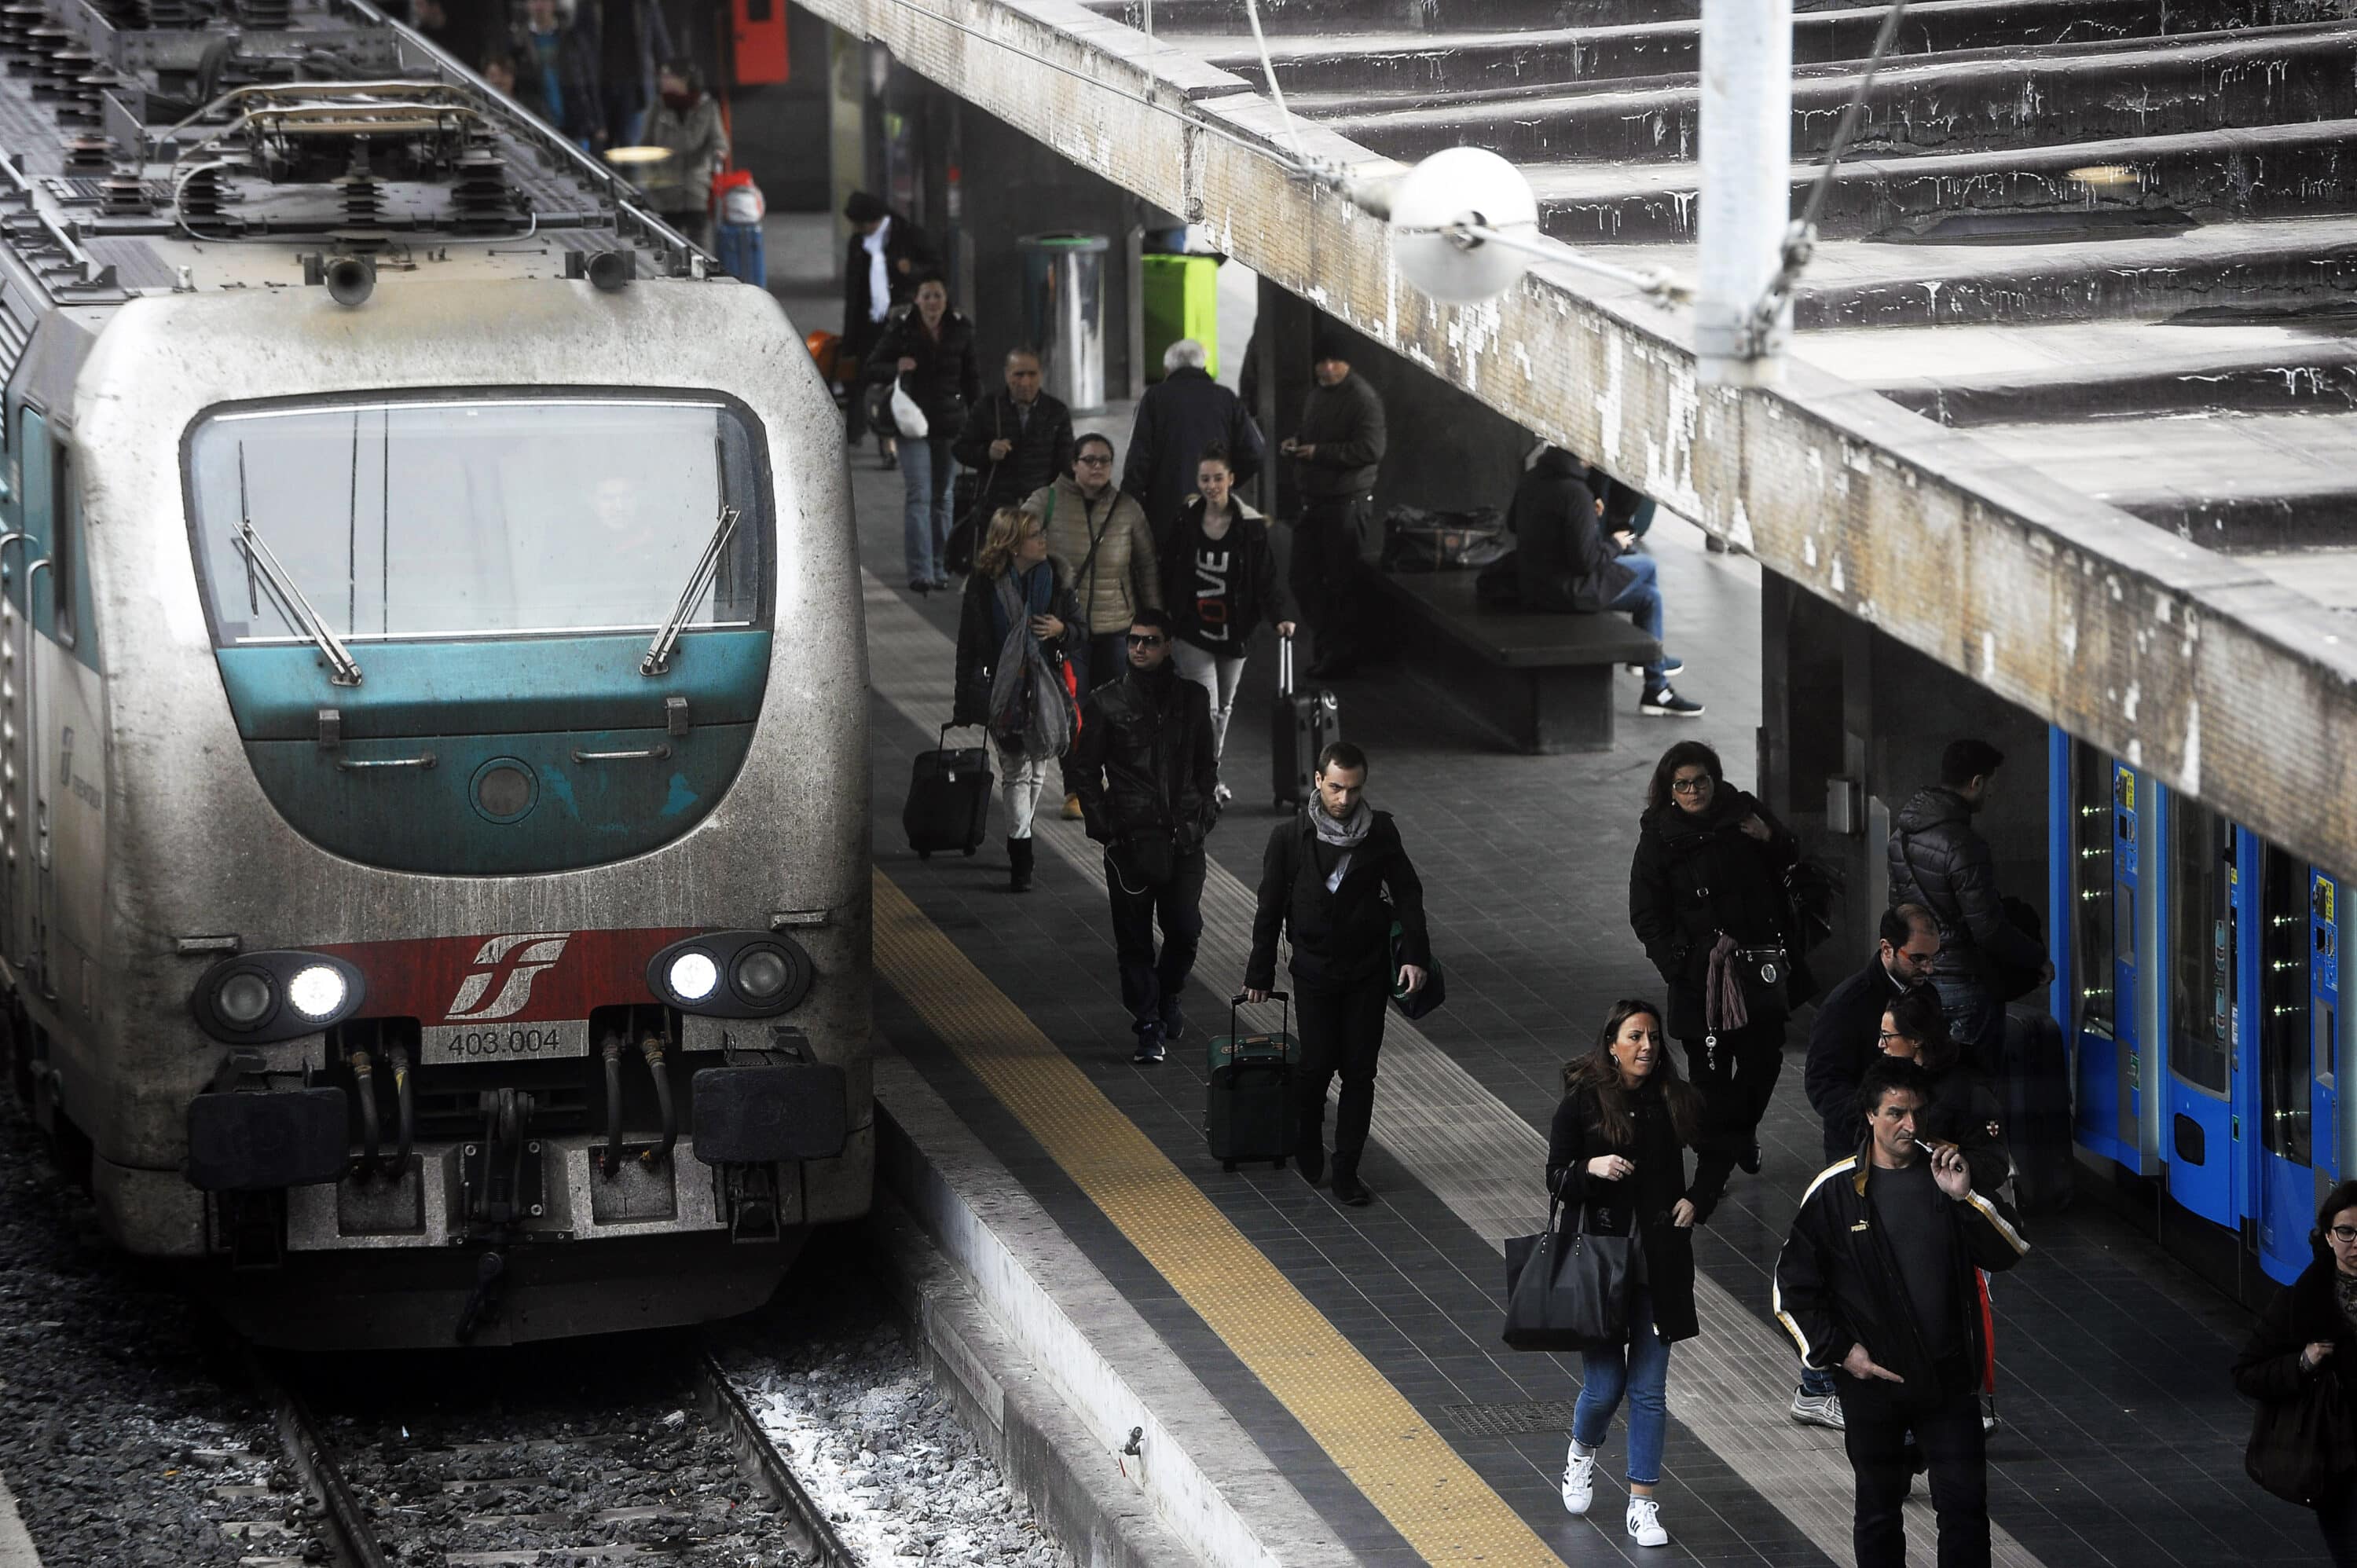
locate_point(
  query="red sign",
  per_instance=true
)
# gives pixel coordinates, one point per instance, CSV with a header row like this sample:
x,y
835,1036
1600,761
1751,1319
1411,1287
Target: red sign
x,y
515,977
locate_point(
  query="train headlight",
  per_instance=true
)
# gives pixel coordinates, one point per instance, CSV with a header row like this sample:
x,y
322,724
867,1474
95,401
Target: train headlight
x,y
761,974
317,991
244,999
692,976
258,997
766,975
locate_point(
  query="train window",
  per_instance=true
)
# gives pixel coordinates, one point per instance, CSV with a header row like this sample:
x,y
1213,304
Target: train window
x,y
2201,947
65,543
2283,1034
480,516
2099,920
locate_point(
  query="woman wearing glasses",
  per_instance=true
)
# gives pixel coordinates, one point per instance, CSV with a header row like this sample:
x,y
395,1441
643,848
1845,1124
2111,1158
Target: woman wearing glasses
x,y
1104,535
2306,1444
1706,897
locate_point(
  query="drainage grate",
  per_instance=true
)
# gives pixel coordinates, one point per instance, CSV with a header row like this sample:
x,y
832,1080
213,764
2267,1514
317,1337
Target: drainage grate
x,y
1504,1419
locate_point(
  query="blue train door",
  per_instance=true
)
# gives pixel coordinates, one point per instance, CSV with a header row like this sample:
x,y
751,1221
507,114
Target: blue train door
x,y
2199,1001
2096,878
2296,1012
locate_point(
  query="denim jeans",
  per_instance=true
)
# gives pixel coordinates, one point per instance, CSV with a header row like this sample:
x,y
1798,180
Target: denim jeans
x,y
1020,777
1218,675
1976,1019
1642,599
744,253
1814,1383
1640,1369
926,474
1151,981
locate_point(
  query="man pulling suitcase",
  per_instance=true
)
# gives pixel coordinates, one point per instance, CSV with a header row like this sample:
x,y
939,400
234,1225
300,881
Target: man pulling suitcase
x,y
1334,879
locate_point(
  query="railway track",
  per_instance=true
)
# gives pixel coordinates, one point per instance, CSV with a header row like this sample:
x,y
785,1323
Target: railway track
x,y
644,1479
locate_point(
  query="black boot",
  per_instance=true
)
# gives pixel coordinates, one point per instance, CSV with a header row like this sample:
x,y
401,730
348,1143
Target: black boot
x,y
1019,859
1347,1188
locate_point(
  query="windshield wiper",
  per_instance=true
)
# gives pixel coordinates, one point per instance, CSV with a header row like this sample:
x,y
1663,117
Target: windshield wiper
x,y
707,565
285,596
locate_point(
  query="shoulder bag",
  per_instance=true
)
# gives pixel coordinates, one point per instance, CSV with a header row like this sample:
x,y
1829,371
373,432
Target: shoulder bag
x,y
1567,1292
2303,1449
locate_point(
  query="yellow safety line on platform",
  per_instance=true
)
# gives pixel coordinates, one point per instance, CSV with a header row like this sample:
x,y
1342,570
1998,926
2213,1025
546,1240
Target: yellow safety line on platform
x,y
1407,1470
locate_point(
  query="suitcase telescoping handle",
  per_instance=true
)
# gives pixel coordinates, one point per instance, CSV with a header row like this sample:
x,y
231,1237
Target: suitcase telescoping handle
x,y
1283,1013
1283,666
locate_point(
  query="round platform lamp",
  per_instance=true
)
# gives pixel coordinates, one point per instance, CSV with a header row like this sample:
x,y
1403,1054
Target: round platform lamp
x,y
1465,226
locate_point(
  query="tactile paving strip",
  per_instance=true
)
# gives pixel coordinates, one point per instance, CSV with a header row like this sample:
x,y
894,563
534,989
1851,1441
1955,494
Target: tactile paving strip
x,y
1405,1468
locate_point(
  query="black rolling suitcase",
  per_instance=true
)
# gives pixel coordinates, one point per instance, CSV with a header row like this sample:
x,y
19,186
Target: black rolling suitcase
x,y
1248,1110
949,798
2033,1082
1305,724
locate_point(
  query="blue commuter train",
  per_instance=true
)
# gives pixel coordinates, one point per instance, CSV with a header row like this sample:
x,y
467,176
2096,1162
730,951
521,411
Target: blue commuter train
x,y
2196,971
433,760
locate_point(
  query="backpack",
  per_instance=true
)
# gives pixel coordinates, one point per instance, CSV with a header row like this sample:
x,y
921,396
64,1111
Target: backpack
x,y
736,199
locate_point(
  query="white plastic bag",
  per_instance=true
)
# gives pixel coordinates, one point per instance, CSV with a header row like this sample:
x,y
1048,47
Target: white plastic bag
x,y
907,414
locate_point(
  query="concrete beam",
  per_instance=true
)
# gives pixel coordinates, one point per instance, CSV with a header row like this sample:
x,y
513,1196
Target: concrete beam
x,y
2202,671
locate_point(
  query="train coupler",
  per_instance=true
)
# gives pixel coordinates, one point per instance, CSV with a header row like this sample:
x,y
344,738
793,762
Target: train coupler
x,y
501,1170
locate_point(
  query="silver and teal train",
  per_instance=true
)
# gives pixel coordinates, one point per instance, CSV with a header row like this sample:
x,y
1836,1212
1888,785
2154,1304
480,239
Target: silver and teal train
x,y
435,827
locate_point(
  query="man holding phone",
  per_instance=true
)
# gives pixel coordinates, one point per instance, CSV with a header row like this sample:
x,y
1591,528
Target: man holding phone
x,y
1876,1283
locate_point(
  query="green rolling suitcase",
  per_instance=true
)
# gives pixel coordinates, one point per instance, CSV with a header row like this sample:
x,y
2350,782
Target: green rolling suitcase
x,y
1248,1112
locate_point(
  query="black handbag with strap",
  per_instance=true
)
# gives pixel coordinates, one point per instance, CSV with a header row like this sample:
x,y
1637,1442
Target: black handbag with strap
x,y
1567,1292
2304,1449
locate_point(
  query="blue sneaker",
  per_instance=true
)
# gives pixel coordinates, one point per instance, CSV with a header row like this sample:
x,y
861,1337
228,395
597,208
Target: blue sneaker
x,y
1174,1022
1149,1052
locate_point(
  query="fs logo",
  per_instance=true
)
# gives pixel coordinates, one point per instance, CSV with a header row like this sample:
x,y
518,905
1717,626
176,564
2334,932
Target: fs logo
x,y
512,961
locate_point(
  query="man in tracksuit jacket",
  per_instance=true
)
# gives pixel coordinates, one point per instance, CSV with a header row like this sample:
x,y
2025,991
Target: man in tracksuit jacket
x,y
1876,1280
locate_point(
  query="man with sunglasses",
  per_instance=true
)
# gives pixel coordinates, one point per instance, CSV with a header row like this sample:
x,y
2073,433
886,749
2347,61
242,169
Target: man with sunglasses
x,y
1146,770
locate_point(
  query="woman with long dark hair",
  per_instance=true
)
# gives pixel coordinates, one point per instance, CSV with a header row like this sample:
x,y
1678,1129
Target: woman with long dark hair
x,y
2307,1335
1961,1110
929,352
1706,897
1616,1157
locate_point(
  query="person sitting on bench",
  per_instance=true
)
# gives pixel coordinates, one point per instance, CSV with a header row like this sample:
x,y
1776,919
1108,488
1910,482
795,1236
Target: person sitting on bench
x,y
1568,566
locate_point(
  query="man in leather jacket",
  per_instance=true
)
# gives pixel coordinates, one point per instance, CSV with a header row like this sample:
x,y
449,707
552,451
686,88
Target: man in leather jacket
x,y
1144,769
1876,1282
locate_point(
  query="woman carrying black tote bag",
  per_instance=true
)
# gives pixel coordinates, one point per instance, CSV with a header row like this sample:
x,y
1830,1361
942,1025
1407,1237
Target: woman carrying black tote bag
x,y
1616,1157
2301,1366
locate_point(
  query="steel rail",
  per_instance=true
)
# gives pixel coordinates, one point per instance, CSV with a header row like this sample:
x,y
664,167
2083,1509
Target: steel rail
x,y
355,1544
767,1463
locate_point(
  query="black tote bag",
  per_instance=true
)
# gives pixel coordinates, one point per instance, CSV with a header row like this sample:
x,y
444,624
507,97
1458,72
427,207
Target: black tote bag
x,y
2301,1448
1567,1292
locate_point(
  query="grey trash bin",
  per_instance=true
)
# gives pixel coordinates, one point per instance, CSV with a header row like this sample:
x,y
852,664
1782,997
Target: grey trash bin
x,y
1063,305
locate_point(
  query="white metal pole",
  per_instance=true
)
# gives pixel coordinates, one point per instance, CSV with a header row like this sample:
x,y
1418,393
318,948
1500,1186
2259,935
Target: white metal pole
x,y
1746,203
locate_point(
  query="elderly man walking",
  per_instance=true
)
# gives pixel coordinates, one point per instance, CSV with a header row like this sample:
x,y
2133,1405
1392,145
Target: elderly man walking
x,y
1178,419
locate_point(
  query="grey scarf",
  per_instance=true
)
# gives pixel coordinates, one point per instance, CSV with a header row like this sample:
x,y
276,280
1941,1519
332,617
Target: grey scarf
x,y
1345,835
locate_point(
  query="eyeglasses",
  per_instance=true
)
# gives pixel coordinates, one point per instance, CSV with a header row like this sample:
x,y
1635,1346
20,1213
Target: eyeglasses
x,y
1154,640
1690,786
1104,460
2345,1234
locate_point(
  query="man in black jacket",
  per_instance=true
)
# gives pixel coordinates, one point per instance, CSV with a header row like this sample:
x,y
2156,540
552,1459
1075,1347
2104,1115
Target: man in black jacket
x,y
1337,445
1845,1041
1939,860
1018,440
1181,416
888,254
1334,879
1566,566
1144,770
1875,1281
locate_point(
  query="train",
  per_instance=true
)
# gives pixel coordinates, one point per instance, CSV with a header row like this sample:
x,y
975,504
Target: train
x,y
432,744
2197,973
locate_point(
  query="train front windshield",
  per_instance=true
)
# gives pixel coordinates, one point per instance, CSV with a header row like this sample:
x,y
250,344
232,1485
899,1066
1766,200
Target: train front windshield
x,y
477,516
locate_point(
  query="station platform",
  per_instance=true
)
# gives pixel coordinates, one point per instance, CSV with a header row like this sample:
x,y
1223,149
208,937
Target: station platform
x,y
1332,1379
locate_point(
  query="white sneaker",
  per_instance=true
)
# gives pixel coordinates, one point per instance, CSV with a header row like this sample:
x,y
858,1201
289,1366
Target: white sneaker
x,y
1222,794
1644,1523
1578,1481
1816,1410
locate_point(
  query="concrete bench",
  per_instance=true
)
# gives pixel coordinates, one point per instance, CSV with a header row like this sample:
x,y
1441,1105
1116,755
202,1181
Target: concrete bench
x,y
1545,680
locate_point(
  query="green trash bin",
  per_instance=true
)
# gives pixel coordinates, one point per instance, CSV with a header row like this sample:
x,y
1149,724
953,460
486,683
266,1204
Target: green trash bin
x,y
1183,300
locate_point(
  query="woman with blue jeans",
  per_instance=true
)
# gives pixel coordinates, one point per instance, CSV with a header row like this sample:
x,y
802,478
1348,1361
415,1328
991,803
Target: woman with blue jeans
x,y
1616,1157
929,351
